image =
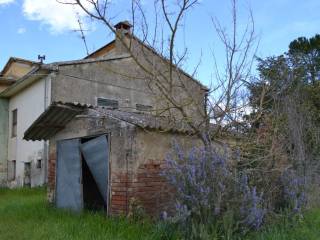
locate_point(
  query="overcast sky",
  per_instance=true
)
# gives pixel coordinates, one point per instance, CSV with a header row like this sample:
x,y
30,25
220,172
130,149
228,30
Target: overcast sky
x,y
32,27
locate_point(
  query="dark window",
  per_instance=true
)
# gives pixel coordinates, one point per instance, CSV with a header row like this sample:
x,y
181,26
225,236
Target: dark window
x,y
104,102
12,170
27,174
14,123
141,107
39,163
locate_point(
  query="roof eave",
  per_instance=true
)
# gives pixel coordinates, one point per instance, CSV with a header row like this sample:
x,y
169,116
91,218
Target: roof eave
x,y
55,66
35,74
53,120
203,87
99,49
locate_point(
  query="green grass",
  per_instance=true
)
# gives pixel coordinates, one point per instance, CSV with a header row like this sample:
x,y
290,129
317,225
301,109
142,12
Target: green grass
x,y
305,228
25,214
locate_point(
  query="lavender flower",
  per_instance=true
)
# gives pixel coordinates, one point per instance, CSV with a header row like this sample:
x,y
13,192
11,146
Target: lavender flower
x,y
205,183
200,178
252,210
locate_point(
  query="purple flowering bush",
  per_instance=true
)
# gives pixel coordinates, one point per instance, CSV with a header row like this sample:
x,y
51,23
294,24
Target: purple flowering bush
x,y
208,190
218,199
251,210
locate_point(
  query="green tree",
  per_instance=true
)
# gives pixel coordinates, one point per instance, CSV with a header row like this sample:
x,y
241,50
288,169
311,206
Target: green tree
x,y
304,53
286,98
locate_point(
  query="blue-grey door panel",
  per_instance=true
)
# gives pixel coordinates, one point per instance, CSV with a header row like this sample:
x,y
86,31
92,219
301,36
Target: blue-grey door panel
x,y
68,175
96,155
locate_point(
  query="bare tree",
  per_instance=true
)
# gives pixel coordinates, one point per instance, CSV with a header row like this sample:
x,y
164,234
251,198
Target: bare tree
x,y
163,72
228,105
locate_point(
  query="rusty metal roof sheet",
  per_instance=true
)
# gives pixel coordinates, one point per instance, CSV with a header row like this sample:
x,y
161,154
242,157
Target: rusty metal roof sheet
x,y
56,117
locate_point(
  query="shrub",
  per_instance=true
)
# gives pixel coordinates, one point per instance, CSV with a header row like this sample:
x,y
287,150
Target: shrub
x,y
294,192
208,192
251,210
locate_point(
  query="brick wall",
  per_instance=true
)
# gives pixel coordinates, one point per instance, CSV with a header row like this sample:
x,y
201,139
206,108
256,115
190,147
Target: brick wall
x,y
145,185
51,176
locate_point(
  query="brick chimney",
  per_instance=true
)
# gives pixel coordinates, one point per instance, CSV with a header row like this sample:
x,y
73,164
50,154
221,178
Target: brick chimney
x,y
123,27
123,31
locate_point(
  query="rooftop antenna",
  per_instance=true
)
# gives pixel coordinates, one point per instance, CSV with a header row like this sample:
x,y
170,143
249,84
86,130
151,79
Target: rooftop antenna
x,y
41,58
81,31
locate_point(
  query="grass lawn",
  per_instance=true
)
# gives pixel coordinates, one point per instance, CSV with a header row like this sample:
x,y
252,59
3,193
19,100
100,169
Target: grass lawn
x,y
25,214
307,228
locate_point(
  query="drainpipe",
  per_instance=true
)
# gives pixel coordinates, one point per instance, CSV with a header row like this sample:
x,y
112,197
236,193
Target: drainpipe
x,y
45,144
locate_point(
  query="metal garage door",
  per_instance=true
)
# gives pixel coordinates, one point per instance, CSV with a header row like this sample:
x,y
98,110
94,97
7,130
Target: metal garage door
x,y
96,155
69,188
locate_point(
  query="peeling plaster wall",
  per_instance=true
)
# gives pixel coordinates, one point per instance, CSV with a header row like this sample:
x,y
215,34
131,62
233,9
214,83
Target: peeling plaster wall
x,y
4,125
123,80
141,178
30,104
187,92
113,80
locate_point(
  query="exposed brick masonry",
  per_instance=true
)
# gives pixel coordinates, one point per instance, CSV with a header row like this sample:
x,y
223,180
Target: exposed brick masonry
x,y
51,176
146,185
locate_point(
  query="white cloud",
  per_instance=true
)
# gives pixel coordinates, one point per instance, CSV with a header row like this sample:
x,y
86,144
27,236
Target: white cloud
x,y
58,17
6,1
21,30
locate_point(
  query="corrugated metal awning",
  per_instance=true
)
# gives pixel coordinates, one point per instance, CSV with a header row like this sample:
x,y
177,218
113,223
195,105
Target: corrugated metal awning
x,y
56,117
145,121
53,120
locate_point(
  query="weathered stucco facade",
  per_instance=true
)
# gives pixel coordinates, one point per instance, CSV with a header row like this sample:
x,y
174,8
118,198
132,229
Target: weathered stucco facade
x,y
102,78
120,79
115,73
27,159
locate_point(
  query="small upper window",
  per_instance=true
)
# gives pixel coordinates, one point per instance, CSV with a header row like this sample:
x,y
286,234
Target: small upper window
x,y
110,103
143,108
14,123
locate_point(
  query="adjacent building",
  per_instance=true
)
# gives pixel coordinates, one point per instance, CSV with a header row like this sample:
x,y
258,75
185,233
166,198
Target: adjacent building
x,y
21,102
